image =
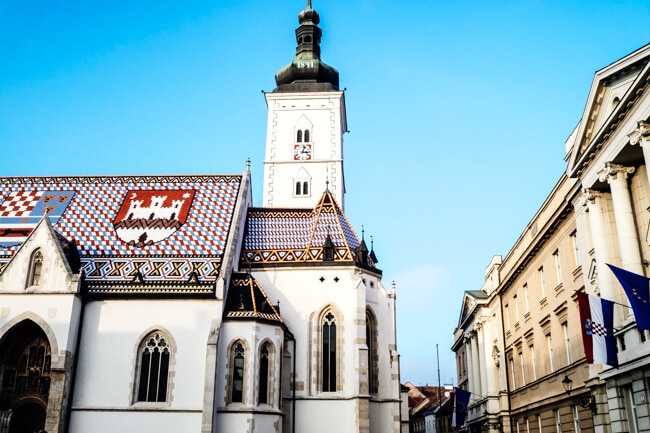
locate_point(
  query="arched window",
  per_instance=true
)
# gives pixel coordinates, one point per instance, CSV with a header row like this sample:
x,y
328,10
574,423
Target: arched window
x,y
298,189
305,188
237,358
328,353
373,357
153,377
307,138
307,39
35,269
264,376
299,136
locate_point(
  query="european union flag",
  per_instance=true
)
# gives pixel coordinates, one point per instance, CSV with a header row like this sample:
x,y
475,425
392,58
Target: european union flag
x,y
637,289
461,401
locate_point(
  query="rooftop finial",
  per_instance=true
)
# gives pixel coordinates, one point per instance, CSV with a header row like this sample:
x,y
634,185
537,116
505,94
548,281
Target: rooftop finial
x,y
308,4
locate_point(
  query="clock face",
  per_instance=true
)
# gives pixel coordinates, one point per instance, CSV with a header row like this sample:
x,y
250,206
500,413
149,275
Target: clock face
x,y
302,152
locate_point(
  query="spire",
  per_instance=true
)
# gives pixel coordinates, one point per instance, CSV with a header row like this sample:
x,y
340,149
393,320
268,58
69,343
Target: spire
x,y
307,72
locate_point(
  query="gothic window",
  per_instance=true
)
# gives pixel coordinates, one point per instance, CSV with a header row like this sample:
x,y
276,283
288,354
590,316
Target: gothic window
x,y
35,268
328,353
373,357
307,140
264,375
153,375
237,358
299,136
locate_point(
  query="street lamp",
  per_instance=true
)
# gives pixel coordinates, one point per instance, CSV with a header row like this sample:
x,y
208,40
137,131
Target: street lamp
x,y
585,401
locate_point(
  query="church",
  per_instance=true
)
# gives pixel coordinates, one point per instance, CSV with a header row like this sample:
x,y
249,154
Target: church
x,y
172,304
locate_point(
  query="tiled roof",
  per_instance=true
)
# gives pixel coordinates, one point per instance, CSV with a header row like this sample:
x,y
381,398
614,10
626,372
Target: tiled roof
x,y
246,300
158,228
298,235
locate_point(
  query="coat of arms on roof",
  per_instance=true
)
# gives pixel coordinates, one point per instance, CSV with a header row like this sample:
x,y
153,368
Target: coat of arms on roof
x,y
149,216
21,211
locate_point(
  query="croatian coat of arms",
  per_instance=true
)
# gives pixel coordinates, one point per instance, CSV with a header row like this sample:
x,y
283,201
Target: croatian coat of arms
x,y
21,211
149,216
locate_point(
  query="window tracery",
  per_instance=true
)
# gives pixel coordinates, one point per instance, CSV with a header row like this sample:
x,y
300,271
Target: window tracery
x,y
35,268
153,375
328,352
237,360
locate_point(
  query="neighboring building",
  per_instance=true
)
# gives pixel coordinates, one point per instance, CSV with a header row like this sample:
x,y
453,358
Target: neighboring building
x,y
597,214
479,348
608,155
170,304
422,403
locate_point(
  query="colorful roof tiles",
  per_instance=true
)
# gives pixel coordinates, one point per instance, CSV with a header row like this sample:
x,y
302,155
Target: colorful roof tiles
x,y
159,228
246,300
299,235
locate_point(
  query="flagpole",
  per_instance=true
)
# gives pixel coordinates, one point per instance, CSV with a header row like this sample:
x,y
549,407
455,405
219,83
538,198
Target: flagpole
x,y
613,302
438,359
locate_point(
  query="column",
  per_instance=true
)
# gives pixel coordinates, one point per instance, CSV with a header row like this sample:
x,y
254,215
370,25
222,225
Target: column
x,y
480,330
469,362
475,364
606,280
616,176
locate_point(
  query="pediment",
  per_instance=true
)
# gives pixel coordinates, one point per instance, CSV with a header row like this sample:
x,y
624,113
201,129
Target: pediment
x,y
614,91
471,300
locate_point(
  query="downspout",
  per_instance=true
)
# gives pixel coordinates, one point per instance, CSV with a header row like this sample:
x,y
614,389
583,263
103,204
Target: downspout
x,y
293,391
73,373
505,361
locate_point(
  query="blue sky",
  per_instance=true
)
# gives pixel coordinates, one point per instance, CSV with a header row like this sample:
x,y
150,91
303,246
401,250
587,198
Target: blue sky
x,y
458,113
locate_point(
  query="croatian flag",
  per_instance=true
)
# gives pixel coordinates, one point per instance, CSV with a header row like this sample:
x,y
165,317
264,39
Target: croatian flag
x,y
637,289
597,324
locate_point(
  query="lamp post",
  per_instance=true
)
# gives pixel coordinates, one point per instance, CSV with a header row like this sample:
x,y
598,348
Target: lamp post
x,y
585,401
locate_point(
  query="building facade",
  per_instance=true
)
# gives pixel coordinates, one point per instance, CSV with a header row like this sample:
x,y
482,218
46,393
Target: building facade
x,y
171,303
596,215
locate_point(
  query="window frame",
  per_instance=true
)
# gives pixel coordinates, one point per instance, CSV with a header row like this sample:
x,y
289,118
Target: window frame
x,y
142,344
233,352
35,272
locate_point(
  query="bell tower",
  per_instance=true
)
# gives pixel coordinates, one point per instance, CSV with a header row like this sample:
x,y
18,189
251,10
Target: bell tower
x,y
306,123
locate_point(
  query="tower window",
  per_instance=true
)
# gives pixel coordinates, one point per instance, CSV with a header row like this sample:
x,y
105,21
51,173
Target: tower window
x,y
307,39
154,368
307,140
299,136
302,188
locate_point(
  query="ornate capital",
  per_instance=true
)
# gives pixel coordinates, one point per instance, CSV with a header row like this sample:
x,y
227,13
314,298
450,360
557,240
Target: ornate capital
x,y
611,171
588,195
641,135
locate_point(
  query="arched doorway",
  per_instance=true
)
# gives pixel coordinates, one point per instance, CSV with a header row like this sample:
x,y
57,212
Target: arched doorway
x,y
25,361
27,418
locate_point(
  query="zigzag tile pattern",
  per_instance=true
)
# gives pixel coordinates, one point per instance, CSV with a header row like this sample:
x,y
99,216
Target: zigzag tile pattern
x,y
298,235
